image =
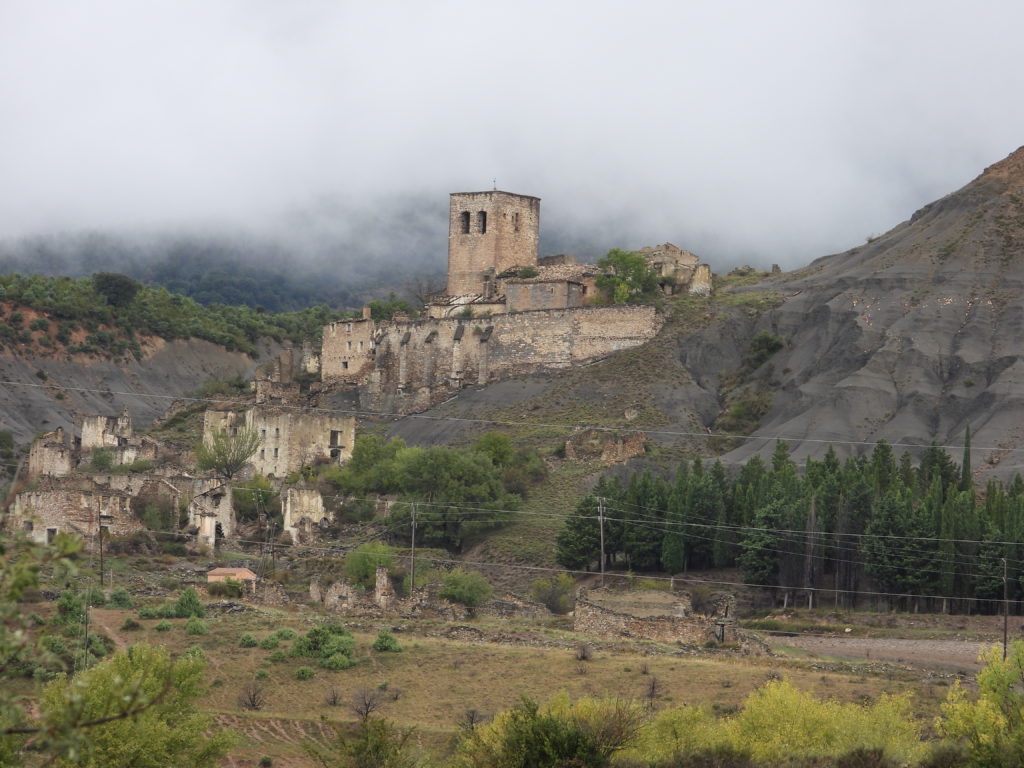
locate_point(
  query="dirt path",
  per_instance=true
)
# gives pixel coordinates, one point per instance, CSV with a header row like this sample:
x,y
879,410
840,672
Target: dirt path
x,y
946,655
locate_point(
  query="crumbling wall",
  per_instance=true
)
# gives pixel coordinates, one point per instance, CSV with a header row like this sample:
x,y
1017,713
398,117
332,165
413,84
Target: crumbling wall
x,y
50,455
593,619
303,509
425,361
289,439
700,283
106,431
347,350
84,510
531,294
211,508
609,447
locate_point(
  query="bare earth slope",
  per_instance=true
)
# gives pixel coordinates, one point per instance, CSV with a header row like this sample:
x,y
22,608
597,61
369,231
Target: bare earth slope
x,y
29,399
913,336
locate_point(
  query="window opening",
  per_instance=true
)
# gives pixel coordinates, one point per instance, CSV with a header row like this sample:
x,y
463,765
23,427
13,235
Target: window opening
x,y
481,222
464,222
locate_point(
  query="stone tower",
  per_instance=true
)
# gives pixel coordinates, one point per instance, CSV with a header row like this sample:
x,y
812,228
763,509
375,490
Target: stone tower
x,y
488,232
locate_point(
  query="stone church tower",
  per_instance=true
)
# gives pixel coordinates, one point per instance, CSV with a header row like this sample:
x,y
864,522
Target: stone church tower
x,y
488,232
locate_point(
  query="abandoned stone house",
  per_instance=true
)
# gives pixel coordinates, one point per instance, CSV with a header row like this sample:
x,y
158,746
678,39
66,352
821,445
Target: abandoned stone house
x,y
304,514
289,438
53,455
84,507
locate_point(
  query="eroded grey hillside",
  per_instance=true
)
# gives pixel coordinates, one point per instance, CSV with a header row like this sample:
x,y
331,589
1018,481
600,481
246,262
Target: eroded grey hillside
x,y
913,336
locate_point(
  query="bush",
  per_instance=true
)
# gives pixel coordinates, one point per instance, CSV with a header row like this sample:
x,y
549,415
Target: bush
x,y
248,640
262,674
95,596
361,564
557,593
102,460
148,612
268,643
285,633
120,598
277,657
305,673
337,662
226,588
130,625
70,608
163,626
196,626
189,604
386,642
466,587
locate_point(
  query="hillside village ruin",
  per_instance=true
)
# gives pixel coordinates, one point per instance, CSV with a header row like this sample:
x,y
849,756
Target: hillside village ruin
x,y
504,312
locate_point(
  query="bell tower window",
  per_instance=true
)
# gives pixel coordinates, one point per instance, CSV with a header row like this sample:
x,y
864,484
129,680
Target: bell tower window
x,y
481,222
464,222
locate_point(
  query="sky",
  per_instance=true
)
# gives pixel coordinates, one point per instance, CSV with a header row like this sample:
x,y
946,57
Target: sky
x,y
748,132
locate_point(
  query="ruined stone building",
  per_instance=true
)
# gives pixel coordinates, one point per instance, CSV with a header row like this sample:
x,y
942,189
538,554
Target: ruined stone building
x,y
289,438
505,312
304,514
74,505
607,613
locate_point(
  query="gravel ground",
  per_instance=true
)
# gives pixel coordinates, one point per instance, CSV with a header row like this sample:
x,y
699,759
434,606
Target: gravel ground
x,y
947,655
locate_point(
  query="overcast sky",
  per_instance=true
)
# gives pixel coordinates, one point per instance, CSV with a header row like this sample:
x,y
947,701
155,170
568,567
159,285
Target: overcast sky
x,y
745,131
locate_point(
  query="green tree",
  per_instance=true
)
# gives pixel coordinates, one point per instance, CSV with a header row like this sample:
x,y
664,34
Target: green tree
x,y
578,543
626,277
377,743
137,709
118,290
227,453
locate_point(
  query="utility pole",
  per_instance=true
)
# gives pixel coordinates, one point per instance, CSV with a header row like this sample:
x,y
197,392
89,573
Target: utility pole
x,y
412,568
1006,611
600,519
101,555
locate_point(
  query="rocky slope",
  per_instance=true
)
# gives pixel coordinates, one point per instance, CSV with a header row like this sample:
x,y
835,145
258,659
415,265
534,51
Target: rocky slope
x,y
913,336
38,394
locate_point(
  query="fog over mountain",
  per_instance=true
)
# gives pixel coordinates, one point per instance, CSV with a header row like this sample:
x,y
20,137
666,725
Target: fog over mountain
x,y
327,135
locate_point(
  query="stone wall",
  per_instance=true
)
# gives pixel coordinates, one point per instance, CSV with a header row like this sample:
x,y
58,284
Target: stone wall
x,y
289,438
488,232
609,447
211,508
106,431
84,509
593,619
50,455
347,350
525,295
303,510
423,362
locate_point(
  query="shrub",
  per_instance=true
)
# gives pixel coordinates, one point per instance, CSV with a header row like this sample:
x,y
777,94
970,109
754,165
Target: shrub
x,y
189,604
466,587
386,642
148,612
268,643
304,673
102,460
262,674
130,625
277,657
196,626
248,640
556,593
95,596
120,598
70,608
226,588
361,564
337,662
54,645
252,698
285,633
163,626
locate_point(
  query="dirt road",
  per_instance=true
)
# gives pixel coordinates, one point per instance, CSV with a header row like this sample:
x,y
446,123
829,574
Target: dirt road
x,y
945,655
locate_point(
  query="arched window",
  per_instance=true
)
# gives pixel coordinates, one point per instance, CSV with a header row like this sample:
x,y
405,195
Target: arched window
x,y
464,216
481,222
